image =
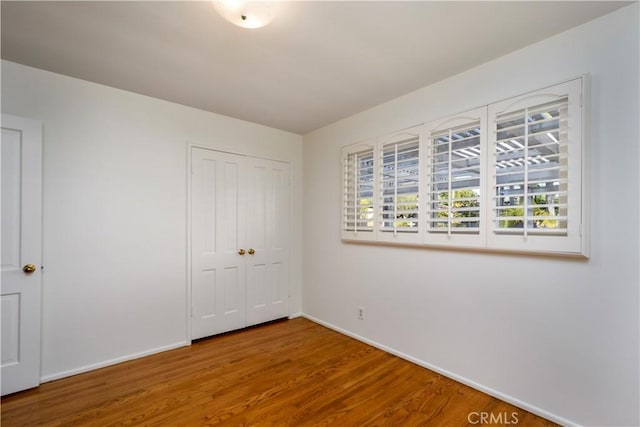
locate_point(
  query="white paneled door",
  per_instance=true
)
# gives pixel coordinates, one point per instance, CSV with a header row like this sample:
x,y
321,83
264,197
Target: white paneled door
x,y
218,273
268,240
21,163
239,241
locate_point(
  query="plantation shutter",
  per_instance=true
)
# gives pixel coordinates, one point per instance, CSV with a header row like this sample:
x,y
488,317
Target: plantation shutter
x,y
454,176
399,184
530,165
358,185
536,188
507,176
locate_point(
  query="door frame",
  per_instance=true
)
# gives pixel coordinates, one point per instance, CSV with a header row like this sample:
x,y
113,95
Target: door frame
x,y
190,147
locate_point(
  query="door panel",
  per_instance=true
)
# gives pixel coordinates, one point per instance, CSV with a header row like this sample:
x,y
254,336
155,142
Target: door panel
x,y
231,225
232,287
279,283
208,300
259,205
207,194
21,164
217,219
11,190
10,329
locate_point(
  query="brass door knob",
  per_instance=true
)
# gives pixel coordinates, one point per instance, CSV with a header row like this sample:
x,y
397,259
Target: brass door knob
x,y
241,252
29,268
251,251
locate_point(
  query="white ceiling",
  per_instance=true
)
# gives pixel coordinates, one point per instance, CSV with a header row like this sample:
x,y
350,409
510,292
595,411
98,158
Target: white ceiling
x,y
316,63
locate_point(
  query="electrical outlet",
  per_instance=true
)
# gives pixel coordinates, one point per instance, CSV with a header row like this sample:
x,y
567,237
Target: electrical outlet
x,y
361,313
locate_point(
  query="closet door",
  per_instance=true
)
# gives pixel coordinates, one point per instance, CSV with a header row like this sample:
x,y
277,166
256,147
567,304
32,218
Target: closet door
x,y
218,221
267,240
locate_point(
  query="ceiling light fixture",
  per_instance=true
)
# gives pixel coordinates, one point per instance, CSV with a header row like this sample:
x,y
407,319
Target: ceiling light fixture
x,y
245,14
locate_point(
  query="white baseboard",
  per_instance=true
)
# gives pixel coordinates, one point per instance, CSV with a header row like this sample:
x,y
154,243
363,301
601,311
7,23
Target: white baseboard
x,y
491,392
87,368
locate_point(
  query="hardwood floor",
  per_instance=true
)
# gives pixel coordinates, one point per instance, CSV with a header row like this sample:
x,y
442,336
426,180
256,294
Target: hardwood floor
x,y
291,372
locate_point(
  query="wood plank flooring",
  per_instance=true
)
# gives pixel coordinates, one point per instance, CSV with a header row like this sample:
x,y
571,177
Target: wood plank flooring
x,y
292,372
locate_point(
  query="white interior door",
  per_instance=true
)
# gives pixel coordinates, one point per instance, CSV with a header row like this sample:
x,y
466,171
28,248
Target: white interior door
x,y
268,240
218,271
21,163
240,269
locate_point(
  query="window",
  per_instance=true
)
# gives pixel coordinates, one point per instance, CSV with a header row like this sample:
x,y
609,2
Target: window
x,y
530,168
399,185
358,169
507,176
536,171
455,174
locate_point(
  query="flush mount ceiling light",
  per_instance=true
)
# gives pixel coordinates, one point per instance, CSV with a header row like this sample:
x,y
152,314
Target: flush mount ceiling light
x,y
246,14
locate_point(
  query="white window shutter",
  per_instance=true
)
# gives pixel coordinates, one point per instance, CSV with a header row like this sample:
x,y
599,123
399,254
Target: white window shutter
x,y
508,176
455,173
358,192
536,150
399,215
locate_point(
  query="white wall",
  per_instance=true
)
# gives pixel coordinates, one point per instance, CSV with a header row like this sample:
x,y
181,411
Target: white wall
x,y
115,199
558,335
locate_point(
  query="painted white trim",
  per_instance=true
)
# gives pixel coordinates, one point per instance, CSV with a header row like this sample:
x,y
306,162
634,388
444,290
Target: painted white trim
x,y
237,153
296,315
110,362
491,392
291,239
190,147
